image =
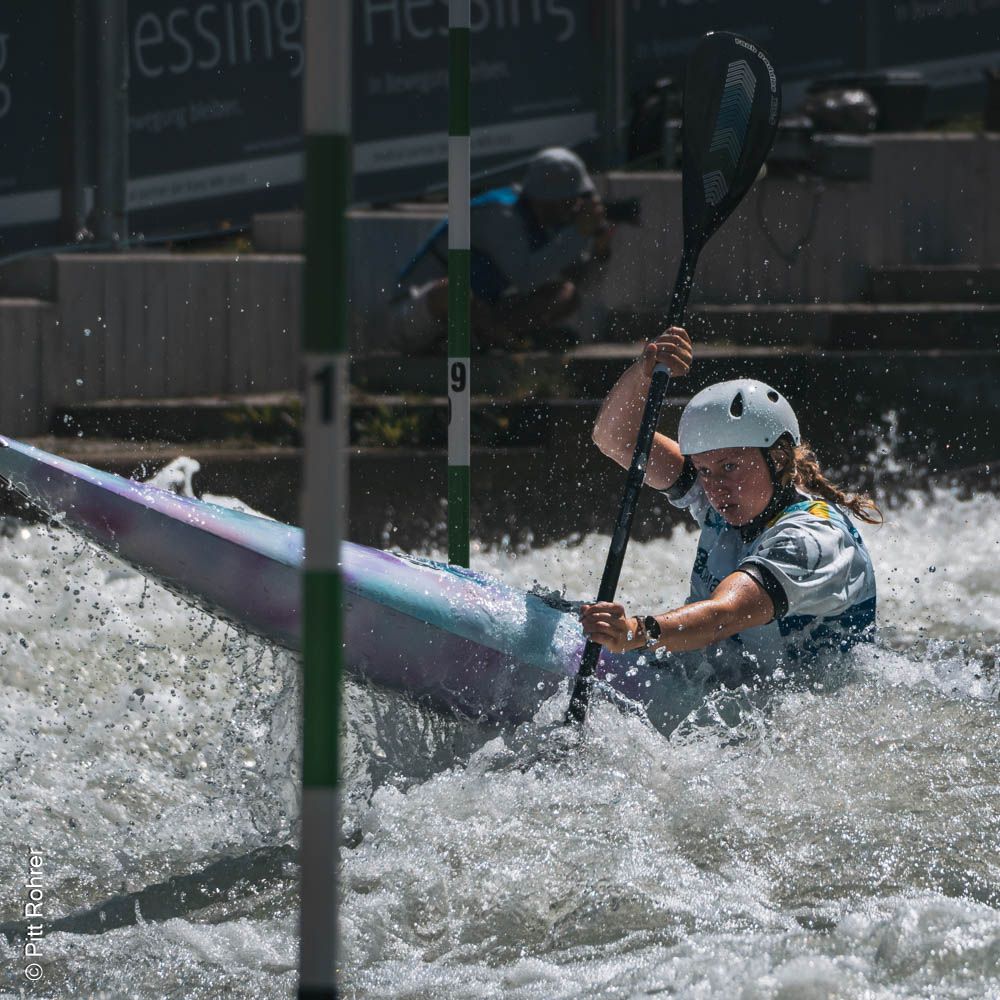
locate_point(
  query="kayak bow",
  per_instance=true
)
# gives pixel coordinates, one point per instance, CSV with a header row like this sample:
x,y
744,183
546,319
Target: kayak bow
x,y
442,634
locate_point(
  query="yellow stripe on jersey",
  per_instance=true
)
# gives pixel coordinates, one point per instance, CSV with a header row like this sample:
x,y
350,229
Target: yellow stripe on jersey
x,y
820,508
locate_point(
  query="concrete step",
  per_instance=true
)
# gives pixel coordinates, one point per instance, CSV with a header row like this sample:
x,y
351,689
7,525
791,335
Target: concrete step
x,y
593,370
589,372
284,232
940,283
945,402
518,415
266,418
583,372
29,351
532,373
275,420
32,276
30,302
832,326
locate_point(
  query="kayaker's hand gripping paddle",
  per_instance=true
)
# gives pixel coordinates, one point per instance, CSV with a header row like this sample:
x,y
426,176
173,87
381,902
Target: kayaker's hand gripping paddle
x,y
731,107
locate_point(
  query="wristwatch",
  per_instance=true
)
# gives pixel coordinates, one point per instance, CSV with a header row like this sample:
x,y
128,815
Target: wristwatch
x,y
652,627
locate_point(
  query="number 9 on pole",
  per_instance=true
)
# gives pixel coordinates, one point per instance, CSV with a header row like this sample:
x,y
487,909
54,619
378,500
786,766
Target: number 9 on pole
x,y
458,411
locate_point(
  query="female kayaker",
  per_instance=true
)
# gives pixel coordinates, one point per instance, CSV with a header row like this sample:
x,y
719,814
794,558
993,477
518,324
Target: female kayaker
x,y
781,574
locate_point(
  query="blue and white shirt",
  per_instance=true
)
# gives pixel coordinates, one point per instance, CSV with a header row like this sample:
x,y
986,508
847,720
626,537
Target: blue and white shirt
x,y
814,565
511,252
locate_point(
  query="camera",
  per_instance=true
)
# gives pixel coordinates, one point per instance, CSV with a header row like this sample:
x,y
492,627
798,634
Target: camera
x,y
625,210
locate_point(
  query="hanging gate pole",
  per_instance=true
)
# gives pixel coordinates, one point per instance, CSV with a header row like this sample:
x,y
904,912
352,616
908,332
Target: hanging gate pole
x,y
324,501
459,335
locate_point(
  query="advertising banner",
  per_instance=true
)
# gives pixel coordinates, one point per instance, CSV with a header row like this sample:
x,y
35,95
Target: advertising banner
x,y
215,104
215,89
215,111
951,42
535,80
216,93
804,38
31,133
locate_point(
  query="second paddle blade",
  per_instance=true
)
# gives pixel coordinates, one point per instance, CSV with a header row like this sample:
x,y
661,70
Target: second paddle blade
x,y
731,108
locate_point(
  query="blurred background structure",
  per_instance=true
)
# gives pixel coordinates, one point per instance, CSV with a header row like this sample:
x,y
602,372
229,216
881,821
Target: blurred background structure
x,y
151,229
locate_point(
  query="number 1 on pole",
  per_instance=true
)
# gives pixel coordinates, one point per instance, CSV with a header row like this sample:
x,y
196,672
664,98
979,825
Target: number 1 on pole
x,y
459,334
329,173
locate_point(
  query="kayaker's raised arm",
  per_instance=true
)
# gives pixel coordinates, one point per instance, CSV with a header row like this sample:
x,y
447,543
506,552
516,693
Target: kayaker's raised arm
x,y
618,422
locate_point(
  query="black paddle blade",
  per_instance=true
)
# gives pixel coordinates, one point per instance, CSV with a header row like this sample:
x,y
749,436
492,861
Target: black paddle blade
x,y
731,108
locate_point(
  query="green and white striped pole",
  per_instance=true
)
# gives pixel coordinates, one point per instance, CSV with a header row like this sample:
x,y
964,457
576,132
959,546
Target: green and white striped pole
x,y
324,501
459,338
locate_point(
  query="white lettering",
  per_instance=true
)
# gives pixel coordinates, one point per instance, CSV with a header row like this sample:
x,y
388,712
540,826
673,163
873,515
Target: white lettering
x,y
230,35
479,16
398,21
568,17
374,7
411,25
289,31
174,16
265,14
234,32
143,41
199,23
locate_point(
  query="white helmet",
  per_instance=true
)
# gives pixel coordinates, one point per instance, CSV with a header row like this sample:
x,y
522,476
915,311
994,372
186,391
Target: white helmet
x,y
743,413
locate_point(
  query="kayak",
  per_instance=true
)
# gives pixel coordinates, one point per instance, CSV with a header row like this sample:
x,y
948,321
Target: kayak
x,y
444,635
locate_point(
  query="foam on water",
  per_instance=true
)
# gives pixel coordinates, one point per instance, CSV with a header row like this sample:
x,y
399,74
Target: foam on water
x,y
129,720
820,843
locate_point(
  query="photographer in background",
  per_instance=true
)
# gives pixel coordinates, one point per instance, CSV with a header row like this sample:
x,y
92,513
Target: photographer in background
x,y
533,247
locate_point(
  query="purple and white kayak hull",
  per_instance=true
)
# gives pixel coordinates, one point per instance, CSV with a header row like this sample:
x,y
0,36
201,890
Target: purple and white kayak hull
x,y
444,635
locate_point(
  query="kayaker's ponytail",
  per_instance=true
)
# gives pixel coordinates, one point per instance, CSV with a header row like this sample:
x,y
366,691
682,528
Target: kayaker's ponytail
x,y
798,466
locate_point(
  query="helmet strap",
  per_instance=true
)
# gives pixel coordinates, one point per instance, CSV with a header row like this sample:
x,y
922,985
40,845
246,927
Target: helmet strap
x,y
772,468
781,498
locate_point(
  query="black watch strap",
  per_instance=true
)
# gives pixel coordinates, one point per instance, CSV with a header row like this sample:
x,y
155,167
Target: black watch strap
x,y
652,627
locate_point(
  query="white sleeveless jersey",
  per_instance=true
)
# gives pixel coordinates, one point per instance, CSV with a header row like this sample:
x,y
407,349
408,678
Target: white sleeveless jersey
x,y
815,555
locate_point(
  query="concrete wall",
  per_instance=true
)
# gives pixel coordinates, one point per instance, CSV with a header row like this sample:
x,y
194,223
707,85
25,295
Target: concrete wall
x,y
143,325
381,244
159,324
148,325
26,355
932,199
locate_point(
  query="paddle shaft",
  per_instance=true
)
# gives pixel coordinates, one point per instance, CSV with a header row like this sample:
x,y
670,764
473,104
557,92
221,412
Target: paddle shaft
x,y
577,711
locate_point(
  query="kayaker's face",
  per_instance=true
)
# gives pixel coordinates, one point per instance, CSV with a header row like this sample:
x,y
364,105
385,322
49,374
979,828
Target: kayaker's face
x,y
737,482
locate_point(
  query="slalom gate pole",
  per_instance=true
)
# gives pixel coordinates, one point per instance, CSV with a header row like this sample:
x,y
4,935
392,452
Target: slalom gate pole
x,y
327,93
459,334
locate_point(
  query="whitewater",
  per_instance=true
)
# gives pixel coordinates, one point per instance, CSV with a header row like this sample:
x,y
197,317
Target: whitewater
x,y
838,841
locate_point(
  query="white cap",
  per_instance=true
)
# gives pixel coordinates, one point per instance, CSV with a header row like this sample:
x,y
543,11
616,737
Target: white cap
x,y
743,413
556,174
